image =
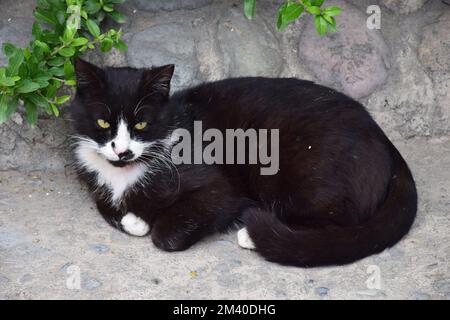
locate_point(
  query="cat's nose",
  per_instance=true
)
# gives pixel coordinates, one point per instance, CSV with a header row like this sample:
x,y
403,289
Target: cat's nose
x,y
127,155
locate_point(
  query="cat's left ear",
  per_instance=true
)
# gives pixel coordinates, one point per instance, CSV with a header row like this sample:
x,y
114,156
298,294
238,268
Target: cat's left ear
x,y
158,79
88,75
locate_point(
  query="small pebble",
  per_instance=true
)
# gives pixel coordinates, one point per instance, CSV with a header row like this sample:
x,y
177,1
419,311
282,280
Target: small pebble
x,y
3,280
99,248
322,291
26,278
91,284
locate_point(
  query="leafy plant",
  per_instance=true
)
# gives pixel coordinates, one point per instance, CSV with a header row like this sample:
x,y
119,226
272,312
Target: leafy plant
x,y
291,10
64,29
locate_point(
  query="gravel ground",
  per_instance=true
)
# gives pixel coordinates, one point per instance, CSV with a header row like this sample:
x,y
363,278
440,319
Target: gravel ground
x,y
53,245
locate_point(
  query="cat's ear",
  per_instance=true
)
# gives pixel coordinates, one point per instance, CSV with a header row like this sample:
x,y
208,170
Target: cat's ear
x,y
88,75
158,79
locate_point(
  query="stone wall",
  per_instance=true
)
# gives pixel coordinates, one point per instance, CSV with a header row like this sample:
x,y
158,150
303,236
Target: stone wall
x,y
400,72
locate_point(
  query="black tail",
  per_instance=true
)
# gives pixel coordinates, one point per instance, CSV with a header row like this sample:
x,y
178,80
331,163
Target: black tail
x,y
307,247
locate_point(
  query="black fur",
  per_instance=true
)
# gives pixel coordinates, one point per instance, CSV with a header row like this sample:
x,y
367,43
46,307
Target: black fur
x,y
343,191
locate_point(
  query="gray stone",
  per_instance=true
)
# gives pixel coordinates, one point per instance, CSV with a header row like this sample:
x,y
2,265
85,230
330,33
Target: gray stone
x,y
44,147
3,280
405,106
99,248
249,48
321,291
170,5
434,50
17,31
404,6
421,296
441,115
26,278
354,59
443,287
90,284
171,43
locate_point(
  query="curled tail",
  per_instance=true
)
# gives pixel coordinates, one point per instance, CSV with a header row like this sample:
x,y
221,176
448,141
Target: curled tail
x,y
309,247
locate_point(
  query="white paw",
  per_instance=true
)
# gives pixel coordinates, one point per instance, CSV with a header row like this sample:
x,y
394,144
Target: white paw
x,y
134,225
244,240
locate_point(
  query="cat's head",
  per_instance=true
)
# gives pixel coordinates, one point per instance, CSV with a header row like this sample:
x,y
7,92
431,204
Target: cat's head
x,y
115,109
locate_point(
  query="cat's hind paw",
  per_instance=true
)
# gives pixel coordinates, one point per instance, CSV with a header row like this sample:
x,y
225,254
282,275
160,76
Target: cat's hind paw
x,y
134,225
244,239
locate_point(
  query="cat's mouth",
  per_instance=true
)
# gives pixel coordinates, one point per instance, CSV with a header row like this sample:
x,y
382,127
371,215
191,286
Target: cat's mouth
x,y
121,163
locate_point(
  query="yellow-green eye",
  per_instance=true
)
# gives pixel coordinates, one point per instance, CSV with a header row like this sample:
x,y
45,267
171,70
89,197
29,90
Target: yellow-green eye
x,y
140,125
103,124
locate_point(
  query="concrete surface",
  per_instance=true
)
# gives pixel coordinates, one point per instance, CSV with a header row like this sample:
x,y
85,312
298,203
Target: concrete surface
x,y
50,233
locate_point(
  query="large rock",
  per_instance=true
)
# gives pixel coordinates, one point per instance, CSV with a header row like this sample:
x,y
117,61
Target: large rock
x,y
170,43
16,31
170,5
441,116
406,105
434,50
44,147
354,59
404,6
249,48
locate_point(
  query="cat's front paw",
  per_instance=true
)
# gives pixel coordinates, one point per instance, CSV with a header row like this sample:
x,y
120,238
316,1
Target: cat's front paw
x,y
244,239
134,225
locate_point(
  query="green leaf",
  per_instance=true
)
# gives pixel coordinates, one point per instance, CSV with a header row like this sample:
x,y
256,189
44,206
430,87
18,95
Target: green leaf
x,y
12,107
117,17
79,42
329,20
108,8
56,62
3,108
93,28
332,11
36,31
67,52
61,17
313,10
38,100
92,6
45,48
55,110
15,61
69,70
27,86
317,3
249,8
9,49
62,99
121,45
288,13
57,71
69,33
70,82
7,82
31,112
45,17
106,45
321,25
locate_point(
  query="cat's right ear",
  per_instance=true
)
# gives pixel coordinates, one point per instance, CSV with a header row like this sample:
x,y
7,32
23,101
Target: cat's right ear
x,y
88,75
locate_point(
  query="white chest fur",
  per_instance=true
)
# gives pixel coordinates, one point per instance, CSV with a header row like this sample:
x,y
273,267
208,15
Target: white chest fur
x,y
116,180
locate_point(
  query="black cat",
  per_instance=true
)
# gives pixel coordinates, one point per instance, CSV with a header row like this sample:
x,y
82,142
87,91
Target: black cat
x,y
342,191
